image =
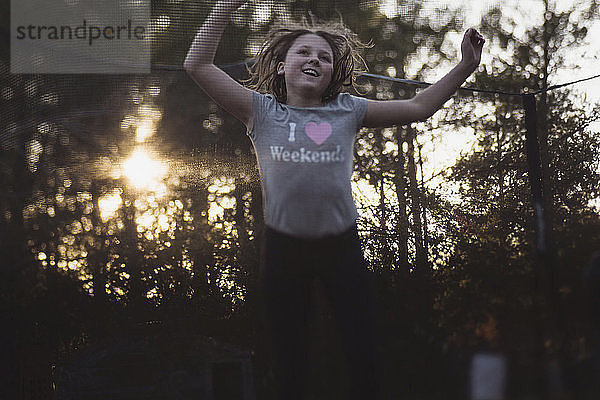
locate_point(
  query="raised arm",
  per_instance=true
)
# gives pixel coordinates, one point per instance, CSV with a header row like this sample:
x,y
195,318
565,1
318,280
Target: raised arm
x,y
428,101
199,64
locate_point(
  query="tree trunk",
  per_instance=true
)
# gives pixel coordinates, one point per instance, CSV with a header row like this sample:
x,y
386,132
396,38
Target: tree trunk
x,y
415,197
402,217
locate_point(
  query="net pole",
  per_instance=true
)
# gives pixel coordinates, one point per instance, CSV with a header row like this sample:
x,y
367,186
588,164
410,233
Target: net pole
x,y
553,342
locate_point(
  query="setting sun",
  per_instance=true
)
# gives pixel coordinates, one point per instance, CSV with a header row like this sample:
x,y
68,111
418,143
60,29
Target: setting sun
x,y
144,172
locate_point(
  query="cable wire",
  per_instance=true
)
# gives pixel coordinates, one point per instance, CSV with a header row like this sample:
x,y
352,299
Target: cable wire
x,y
399,80
421,83
566,84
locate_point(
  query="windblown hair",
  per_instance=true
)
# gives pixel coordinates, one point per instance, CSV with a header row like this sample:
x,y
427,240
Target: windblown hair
x,y
347,60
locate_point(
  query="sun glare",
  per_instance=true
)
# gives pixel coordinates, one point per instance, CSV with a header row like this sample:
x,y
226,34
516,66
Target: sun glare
x,y
145,172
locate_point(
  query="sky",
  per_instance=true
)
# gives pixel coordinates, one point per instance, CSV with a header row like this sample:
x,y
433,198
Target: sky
x,y
587,57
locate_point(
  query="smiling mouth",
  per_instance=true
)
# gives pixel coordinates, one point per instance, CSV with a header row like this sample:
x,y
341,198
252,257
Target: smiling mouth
x,y
310,72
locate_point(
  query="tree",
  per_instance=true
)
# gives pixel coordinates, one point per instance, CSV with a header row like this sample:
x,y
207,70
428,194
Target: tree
x,y
492,262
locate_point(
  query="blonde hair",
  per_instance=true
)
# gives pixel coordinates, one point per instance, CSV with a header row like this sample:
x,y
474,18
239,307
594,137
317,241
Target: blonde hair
x,y
347,60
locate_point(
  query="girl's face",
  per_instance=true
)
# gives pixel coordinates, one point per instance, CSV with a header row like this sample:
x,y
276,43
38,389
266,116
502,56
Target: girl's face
x,y
308,67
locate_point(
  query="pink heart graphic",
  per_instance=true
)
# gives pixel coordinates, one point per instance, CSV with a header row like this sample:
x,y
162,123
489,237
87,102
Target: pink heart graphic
x,y
318,133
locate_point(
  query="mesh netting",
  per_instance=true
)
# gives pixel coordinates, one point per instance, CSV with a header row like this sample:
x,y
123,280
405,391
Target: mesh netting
x,y
134,197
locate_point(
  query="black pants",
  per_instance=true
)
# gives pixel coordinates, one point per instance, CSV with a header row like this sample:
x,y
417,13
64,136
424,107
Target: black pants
x,y
290,266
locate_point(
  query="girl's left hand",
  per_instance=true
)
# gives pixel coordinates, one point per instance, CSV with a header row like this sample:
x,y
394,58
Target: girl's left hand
x,y
471,47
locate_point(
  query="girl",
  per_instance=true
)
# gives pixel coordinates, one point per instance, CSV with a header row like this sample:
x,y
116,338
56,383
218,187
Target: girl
x,y
303,130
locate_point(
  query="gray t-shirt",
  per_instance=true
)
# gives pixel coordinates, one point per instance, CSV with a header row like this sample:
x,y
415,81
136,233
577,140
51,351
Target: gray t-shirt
x,y
306,161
